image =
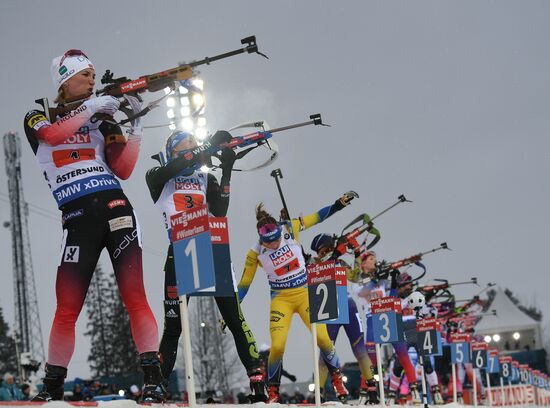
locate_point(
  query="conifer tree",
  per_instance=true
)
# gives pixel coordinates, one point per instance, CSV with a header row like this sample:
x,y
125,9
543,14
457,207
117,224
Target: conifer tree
x,y
8,355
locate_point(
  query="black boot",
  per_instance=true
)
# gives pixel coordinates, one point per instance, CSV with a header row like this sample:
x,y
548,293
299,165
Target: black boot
x,y
257,386
372,392
153,387
53,384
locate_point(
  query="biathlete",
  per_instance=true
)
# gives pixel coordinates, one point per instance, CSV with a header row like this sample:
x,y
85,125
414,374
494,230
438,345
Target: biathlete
x,y
324,246
81,158
410,315
175,187
372,287
279,253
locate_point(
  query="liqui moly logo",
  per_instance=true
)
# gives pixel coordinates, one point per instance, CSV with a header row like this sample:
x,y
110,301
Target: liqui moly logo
x,y
192,184
80,137
281,255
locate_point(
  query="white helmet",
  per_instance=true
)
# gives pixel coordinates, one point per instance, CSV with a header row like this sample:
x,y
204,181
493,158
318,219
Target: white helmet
x,y
416,300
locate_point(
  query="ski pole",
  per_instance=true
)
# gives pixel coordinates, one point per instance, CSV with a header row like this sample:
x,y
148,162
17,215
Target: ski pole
x,y
276,174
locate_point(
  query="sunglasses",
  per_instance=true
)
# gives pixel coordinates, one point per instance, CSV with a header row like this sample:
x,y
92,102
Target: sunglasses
x,y
267,228
72,53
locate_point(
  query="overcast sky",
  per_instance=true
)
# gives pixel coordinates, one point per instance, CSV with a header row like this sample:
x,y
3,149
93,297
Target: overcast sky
x,y
443,101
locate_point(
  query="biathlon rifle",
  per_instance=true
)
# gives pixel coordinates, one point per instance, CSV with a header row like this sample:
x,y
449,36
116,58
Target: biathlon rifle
x,y
431,291
384,268
119,87
253,140
246,142
349,239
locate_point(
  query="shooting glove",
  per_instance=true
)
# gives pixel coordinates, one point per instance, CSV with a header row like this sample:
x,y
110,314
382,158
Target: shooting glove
x,y
347,197
227,158
220,137
135,105
382,271
103,104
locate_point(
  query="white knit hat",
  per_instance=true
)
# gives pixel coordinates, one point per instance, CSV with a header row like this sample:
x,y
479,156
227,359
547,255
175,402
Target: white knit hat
x,y
67,65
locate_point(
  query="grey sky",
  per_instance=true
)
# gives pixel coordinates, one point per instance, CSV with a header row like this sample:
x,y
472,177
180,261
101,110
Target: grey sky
x,y
444,101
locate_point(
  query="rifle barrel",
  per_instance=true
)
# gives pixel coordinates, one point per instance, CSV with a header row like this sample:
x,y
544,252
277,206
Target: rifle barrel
x,y
297,125
389,208
208,60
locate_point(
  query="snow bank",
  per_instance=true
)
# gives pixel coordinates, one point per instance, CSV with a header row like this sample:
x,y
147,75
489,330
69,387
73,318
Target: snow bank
x,y
132,404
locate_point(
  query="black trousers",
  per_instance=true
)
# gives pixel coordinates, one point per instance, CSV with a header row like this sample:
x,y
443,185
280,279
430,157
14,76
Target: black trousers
x,y
230,310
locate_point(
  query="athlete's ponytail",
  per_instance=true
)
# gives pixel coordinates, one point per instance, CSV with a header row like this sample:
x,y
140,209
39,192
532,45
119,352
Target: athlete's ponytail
x,y
263,217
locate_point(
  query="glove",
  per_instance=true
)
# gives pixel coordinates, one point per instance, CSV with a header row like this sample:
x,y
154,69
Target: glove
x,y
227,158
103,104
382,271
395,273
220,137
284,214
135,105
292,377
347,197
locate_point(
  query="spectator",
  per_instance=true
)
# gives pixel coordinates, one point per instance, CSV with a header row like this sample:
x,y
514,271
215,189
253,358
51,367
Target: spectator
x,y
26,392
77,393
105,389
298,397
9,391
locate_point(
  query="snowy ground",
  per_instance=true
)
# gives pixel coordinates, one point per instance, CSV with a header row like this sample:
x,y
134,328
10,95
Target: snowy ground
x,y
132,404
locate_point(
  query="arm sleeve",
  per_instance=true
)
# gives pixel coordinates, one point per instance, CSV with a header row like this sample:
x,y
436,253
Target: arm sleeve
x,y
121,156
303,223
154,182
56,133
250,267
217,195
392,285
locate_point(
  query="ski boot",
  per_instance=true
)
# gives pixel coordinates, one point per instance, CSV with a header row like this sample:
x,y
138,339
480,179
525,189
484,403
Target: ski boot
x,y
416,399
372,392
436,395
53,384
257,386
363,397
153,384
273,394
460,398
391,398
339,387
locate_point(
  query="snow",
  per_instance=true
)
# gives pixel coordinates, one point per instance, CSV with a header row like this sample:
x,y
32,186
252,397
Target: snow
x,y
132,404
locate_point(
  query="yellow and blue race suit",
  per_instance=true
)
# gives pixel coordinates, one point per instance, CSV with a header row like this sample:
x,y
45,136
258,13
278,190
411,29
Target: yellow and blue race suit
x,y
287,275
